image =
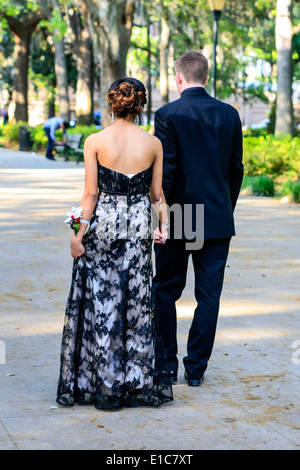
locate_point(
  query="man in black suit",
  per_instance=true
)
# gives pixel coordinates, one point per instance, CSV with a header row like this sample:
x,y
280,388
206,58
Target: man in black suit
x,y
202,143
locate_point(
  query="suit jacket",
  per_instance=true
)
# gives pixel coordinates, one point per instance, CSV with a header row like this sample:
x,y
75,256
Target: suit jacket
x,y
202,143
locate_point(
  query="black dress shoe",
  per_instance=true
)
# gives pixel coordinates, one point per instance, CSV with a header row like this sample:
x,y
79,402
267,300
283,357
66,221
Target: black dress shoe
x,y
193,382
173,376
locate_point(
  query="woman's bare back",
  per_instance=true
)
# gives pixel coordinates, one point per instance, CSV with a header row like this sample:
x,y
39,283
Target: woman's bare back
x,y
125,147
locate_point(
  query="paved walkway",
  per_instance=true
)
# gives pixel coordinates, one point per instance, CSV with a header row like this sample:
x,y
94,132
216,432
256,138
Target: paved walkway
x,y
250,398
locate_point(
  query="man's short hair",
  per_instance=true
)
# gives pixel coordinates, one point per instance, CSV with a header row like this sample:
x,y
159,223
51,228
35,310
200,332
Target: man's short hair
x,y
193,65
66,125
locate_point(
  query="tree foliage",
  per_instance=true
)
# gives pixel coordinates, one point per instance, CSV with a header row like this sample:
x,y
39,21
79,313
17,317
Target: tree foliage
x,y
246,53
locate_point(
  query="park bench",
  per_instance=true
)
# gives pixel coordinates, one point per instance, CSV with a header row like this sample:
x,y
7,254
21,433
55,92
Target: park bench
x,y
72,145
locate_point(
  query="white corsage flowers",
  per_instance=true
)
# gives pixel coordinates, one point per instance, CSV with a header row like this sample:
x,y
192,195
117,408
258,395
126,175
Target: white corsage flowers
x,y
73,219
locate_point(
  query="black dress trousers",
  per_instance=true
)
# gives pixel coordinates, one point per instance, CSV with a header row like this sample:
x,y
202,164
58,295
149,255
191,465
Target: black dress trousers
x,y
169,281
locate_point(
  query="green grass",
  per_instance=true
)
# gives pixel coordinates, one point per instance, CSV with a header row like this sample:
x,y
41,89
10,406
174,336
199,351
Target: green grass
x,y
291,189
259,185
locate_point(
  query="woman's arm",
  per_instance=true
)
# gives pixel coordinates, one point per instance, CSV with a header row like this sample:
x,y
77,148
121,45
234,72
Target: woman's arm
x,y
90,194
157,195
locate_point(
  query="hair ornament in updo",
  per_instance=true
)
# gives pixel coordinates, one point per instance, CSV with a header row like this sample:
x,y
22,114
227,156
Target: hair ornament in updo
x,y
126,96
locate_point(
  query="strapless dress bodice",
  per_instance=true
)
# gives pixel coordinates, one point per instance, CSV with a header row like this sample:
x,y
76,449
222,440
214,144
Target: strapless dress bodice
x,y
113,182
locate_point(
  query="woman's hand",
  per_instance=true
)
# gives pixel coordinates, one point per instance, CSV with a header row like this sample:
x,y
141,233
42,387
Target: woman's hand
x,y
77,248
160,236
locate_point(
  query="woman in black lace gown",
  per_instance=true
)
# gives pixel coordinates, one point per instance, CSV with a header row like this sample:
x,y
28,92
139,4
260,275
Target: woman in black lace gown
x,y
111,347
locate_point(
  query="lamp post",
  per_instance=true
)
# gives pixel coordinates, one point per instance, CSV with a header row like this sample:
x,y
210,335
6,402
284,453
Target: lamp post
x,y
216,7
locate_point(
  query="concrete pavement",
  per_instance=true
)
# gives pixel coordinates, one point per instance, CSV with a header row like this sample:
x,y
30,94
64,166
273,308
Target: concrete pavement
x,y
250,397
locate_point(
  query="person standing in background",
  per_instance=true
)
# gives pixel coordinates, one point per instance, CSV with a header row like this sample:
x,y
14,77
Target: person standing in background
x,y
4,114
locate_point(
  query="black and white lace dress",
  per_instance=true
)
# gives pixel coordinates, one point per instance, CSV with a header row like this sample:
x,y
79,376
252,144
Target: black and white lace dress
x,y
111,347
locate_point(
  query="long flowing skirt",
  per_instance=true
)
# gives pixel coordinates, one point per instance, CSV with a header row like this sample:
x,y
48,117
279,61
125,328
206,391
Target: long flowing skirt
x,y
111,347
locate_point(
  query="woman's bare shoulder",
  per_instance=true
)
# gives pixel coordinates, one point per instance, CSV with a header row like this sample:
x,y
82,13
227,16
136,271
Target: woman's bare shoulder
x,y
156,143
151,138
96,138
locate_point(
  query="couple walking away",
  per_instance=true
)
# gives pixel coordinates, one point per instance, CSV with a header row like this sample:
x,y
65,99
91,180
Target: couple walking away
x,y
119,344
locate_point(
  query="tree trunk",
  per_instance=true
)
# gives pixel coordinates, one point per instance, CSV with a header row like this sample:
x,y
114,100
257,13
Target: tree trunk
x,y
23,27
62,79
111,70
85,80
284,112
85,76
164,45
149,85
115,25
51,101
20,93
61,73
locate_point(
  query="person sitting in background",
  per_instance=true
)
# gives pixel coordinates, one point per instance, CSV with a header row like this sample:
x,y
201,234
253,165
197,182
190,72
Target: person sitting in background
x,y
50,126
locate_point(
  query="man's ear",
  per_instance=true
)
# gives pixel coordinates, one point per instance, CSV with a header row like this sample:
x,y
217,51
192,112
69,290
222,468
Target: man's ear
x,y
206,80
179,78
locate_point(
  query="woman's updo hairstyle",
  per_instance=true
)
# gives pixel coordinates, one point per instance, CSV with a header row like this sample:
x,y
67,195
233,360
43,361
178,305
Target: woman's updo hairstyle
x,y
126,96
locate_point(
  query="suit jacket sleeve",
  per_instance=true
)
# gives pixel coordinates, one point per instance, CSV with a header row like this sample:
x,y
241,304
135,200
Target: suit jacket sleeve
x,y
236,171
166,133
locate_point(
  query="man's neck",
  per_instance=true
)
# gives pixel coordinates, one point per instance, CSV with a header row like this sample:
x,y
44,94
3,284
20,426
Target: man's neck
x,y
191,85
